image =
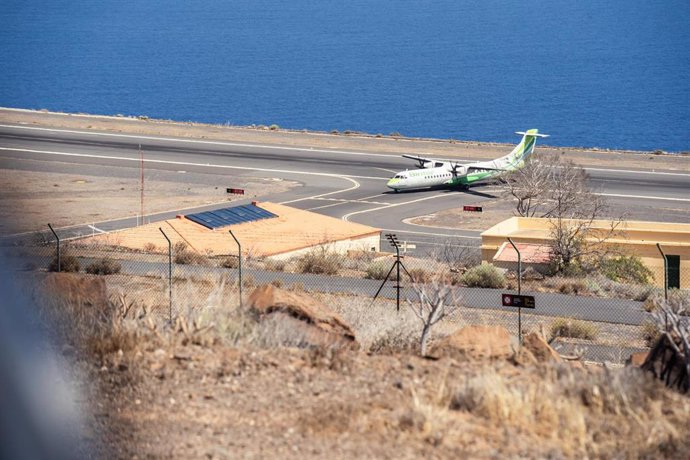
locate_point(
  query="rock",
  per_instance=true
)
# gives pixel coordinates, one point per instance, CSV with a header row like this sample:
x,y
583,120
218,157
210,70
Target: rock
x,y
540,349
475,342
307,320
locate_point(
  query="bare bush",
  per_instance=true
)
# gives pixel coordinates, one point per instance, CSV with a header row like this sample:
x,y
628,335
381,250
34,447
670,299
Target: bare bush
x,y
230,262
435,301
676,329
378,271
573,328
556,189
104,266
457,257
321,261
183,255
67,263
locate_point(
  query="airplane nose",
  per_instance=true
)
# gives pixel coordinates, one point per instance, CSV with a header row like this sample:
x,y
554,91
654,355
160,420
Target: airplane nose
x,y
391,183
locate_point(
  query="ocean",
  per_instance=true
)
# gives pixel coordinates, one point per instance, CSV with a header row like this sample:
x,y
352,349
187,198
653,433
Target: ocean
x,y
590,73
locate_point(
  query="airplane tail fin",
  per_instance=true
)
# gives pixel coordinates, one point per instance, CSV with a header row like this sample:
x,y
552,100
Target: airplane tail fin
x,y
525,148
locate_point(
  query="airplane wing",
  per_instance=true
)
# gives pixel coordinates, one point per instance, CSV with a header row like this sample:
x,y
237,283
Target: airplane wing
x,y
422,161
430,162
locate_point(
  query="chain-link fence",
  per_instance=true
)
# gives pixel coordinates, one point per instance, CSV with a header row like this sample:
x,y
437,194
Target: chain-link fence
x,y
603,319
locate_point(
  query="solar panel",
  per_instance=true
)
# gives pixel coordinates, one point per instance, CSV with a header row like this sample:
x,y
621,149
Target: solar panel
x,y
230,216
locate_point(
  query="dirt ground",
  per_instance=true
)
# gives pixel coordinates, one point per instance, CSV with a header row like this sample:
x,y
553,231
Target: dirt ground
x,y
192,401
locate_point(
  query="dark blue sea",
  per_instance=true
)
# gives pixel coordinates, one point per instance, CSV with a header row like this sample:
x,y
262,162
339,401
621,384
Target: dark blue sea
x,y
606,74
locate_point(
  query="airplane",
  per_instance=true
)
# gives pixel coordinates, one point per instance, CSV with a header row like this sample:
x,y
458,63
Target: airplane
x,y
448,173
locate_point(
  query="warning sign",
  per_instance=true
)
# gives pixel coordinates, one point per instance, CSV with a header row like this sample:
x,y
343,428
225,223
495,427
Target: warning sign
x,y
519,301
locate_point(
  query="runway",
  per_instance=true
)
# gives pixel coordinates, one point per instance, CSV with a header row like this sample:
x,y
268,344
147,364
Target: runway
x,y
344,184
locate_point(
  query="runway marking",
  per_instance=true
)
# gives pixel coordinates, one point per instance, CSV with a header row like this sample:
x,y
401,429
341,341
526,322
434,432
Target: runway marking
x,y
643,197
387,170
346,217
196,141
374,196
300,149
407,220
339,202
343,200
661,173
96,229
188,163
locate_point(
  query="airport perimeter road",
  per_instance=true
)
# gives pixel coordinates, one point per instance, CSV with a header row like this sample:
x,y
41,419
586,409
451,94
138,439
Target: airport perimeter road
x,y
343,184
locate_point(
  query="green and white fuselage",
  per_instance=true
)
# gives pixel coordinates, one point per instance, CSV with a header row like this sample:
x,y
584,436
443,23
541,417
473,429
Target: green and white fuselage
x,y
436,173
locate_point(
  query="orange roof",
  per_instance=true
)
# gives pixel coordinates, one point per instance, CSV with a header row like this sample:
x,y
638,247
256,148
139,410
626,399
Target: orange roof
x,y
529,253
293,229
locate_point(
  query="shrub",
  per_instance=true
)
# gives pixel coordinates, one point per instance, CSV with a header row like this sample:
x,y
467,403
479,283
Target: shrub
x,y
378,271
573,286
184,256
573,328
275,265
69,264
104,266
485,276
149,247
320,261
394,341
273,127
419,275
626,269
277,283
230,262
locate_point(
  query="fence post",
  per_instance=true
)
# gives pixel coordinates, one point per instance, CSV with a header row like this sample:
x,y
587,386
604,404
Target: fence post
x,y
169,275
665,282
58,247
239,256
519,280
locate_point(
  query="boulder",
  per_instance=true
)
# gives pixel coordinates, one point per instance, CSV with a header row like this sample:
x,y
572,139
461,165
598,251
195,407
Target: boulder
x,y
492,342
308,318
539,348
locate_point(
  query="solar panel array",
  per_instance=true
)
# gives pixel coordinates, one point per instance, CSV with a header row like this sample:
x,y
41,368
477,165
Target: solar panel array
x,y
230,216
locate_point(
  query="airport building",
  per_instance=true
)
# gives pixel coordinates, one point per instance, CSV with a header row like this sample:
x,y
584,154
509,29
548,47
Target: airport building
x,y
532,236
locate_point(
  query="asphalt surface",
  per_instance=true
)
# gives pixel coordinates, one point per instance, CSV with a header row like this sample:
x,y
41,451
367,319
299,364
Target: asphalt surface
x,y
348,185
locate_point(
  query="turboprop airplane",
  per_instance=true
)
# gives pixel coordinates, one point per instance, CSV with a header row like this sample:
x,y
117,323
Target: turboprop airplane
x,y
448,173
